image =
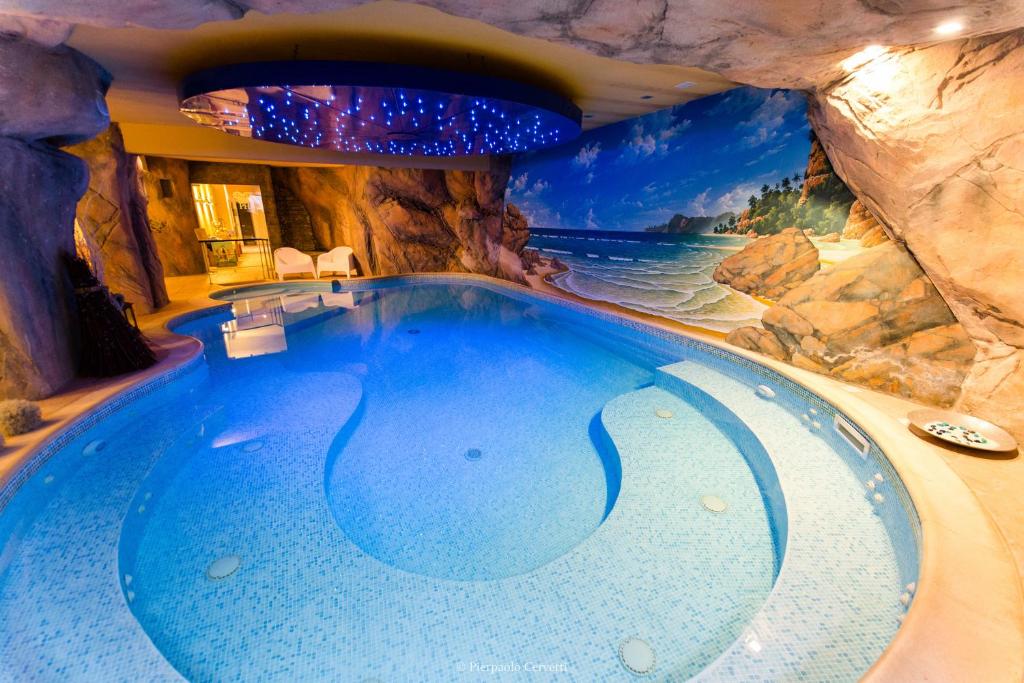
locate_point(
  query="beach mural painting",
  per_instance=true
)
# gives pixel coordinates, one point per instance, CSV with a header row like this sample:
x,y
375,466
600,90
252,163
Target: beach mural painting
x,y
725,214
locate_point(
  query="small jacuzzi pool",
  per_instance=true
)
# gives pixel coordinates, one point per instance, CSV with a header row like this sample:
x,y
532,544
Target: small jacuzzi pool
x,y
440,477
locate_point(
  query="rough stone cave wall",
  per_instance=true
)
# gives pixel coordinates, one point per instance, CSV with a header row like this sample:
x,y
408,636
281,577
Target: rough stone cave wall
x,y
402,220
172,215
114,217
932,141
39,188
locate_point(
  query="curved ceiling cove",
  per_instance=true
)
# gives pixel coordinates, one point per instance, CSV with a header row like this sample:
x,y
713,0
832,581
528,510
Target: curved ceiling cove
x,y
380,108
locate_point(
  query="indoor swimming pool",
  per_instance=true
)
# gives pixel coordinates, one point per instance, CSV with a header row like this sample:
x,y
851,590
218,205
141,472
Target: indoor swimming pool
x,y
437,478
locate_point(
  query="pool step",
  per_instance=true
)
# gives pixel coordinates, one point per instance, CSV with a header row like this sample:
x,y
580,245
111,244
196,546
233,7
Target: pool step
x,y
673,462
701,387
830,581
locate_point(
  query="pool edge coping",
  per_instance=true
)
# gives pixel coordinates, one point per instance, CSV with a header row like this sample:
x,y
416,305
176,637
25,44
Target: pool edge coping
x,y
968,581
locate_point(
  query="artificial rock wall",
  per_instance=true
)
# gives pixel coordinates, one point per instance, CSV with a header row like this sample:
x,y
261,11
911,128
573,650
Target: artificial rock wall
x,y
932,141
172,215
113,216
39,188
410,220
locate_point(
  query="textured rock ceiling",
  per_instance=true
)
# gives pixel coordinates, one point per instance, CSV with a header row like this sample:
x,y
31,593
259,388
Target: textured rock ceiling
x,y
785,43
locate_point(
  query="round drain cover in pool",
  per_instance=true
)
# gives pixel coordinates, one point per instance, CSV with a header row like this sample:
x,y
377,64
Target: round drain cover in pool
x,y
663,413
223,567
252,446
94,447
713,503
637,656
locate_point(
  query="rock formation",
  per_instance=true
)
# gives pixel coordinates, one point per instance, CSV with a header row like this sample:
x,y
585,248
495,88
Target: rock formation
x,y
745,225
515,233
113,215
769,44
771,266
46,95
874,237
874,319
39,186
859,222
172,215
862,225
54,94
932,141
404,220
818,171
681,224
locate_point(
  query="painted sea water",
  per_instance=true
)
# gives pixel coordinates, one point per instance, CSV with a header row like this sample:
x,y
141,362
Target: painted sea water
x,y
659,274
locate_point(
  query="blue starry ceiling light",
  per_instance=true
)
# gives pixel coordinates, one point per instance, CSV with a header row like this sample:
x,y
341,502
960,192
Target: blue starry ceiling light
x,y
378,108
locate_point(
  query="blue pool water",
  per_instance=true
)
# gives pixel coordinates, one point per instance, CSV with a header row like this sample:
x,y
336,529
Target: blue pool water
x,y
439,480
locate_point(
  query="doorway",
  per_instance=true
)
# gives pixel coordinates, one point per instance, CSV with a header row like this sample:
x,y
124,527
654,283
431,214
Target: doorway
x,y
233,232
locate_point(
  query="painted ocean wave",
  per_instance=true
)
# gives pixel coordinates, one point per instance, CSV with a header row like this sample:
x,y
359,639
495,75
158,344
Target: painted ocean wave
x,y
669,276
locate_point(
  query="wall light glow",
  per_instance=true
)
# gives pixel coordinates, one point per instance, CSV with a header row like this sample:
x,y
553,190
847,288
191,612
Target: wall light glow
x,y
873,70
949,28
859,59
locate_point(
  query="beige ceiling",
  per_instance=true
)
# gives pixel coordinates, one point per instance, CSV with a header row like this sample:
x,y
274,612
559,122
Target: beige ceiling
x,y
148,65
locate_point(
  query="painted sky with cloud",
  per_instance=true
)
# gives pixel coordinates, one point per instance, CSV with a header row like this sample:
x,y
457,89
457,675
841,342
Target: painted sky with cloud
x,y
700,159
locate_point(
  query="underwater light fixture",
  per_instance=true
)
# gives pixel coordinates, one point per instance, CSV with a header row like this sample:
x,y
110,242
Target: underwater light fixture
x,y
637,656
223,567
378,108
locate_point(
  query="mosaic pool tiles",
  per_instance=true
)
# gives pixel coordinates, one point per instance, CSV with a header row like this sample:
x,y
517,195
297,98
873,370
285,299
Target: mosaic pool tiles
x,y
841,578
290,583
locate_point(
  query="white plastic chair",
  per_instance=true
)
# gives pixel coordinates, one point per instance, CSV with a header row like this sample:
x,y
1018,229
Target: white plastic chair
x,y
297,303
291,261
339,300
337,260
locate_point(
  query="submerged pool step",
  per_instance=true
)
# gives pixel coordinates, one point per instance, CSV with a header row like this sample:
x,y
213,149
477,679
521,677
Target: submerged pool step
x,y
701,394
830,581
690,507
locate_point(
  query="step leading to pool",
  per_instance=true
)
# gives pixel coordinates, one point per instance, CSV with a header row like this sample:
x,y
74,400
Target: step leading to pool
x,y
703,575
830,581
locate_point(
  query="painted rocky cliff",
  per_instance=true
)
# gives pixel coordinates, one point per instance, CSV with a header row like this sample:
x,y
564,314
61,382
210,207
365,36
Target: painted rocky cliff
x,y
401,220
772,266
874,319
906,135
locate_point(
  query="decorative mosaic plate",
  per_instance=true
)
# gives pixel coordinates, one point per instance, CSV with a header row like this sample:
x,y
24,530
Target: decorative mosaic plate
x,y
962,430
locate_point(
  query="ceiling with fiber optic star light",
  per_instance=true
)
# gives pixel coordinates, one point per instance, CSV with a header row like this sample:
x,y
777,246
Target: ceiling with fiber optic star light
x,y
151,66
379,108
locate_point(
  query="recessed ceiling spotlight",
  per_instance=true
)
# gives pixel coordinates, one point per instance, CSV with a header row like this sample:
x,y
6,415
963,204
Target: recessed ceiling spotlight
x,y
646,97
684,85
949,28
